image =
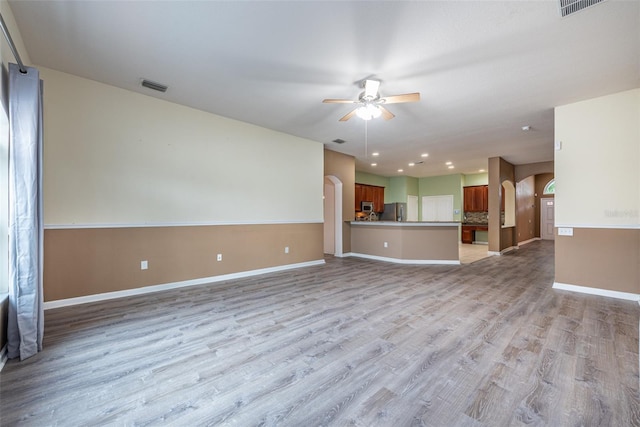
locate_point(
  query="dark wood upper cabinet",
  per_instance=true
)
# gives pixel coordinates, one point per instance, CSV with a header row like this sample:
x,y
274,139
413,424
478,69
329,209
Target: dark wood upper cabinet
x,y
476,198
369,193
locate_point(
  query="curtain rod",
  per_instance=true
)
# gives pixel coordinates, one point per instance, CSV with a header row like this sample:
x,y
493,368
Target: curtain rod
x,y
12,46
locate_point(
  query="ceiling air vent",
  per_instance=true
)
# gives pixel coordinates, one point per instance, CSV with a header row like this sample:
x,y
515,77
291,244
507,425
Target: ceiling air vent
x,y
567,7
339,141
155,86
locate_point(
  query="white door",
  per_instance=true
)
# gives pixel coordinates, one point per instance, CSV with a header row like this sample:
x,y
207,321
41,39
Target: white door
x,y
546,219
412,208
437,208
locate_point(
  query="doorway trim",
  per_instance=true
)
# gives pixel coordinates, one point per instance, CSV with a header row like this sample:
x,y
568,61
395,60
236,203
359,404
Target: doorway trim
x,y
337,212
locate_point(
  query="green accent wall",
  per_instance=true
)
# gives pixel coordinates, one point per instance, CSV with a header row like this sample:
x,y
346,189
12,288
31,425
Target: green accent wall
x,y
400,187
397,188
442,186
475,179
371,179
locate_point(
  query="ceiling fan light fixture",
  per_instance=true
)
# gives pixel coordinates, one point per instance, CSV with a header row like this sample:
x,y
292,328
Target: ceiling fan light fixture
x,y
368,112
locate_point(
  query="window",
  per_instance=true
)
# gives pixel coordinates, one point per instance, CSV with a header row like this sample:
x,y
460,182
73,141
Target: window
x,y
550,188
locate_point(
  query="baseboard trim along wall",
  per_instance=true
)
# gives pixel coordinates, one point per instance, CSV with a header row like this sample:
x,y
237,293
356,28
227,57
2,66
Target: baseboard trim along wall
x,y
167,286
529,241
504,251
405,261
595,291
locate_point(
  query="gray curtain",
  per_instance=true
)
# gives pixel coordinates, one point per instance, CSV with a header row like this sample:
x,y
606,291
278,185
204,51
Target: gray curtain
x,y
26,316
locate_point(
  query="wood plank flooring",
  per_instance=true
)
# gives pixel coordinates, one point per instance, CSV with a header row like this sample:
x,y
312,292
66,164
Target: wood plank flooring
x,y
354,342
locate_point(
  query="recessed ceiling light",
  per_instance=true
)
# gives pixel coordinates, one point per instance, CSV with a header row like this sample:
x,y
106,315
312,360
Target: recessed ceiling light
x,y
481,170
374,164
400,170
424,155
448,163
412,164
526,128
375,153
451,166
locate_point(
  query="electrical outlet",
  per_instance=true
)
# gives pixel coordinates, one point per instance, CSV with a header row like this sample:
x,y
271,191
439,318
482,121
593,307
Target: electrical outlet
x,y
219,257
565,231
286,249
386,245
144,265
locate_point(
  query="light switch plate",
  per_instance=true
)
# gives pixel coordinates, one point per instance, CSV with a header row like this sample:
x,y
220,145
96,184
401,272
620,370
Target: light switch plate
x,y
144,265
565,231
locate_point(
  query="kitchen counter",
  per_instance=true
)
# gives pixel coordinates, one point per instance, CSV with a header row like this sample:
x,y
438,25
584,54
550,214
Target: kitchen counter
x,y
408,223
468,234
406,242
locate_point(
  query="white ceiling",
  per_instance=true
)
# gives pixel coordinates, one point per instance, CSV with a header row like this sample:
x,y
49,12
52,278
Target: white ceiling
x,y
484,68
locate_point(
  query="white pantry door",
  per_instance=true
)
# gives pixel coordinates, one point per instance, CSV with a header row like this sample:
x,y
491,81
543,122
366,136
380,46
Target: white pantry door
x,y
412,208
437,208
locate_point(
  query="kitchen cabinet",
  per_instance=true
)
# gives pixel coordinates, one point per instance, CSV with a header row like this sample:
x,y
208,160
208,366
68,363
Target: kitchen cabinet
x,y
369,193
476,198
468,234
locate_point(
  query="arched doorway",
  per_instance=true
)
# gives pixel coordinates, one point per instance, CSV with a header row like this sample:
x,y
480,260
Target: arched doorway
x,y
332,215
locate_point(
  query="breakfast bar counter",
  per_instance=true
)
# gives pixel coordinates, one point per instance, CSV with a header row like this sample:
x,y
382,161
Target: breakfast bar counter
x,y
406,242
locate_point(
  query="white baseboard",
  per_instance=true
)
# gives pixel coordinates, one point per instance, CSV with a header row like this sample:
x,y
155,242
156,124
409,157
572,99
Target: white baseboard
x,y
596,291
504,251
529,241
4,356
166,286
406,261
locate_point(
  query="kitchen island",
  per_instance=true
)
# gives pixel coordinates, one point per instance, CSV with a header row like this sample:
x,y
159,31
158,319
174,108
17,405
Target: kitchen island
x,y
406,242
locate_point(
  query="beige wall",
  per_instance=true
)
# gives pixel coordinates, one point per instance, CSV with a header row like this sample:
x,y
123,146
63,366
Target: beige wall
x,y
406,243
129,178
599,157
523,171
606,259
117,157
499,171
343,167
598,192
89,261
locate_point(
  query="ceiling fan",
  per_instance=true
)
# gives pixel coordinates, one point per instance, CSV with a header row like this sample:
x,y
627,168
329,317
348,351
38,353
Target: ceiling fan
x,y
371,104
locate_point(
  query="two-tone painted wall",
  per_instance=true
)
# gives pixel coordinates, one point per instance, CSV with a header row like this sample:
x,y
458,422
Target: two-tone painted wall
x,y
598,194
131,178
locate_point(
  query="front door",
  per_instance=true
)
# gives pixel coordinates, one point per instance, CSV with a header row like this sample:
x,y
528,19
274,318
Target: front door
x,y
546,219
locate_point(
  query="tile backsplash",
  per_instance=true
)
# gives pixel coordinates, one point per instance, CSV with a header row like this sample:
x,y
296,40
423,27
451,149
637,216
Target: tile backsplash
x,y
476,217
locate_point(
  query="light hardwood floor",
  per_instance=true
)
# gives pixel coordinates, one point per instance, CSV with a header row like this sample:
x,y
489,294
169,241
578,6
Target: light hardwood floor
x,y
472,252
354,342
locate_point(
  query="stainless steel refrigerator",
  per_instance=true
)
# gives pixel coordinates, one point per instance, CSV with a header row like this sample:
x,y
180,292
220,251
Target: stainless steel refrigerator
x,y
394,212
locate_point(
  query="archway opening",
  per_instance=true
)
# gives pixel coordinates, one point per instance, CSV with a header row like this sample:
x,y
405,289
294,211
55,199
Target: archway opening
x,y
332,195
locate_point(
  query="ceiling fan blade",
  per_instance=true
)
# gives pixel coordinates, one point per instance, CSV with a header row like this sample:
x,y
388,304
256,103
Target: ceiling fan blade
x,y
371,88
386,114
348,116
339,101
397,99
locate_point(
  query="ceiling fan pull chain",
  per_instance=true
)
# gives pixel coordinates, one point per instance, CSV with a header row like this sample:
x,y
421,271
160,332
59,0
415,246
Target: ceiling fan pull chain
x,y
366,137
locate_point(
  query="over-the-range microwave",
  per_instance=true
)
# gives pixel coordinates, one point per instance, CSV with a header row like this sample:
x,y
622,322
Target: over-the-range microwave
x,y
366,207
